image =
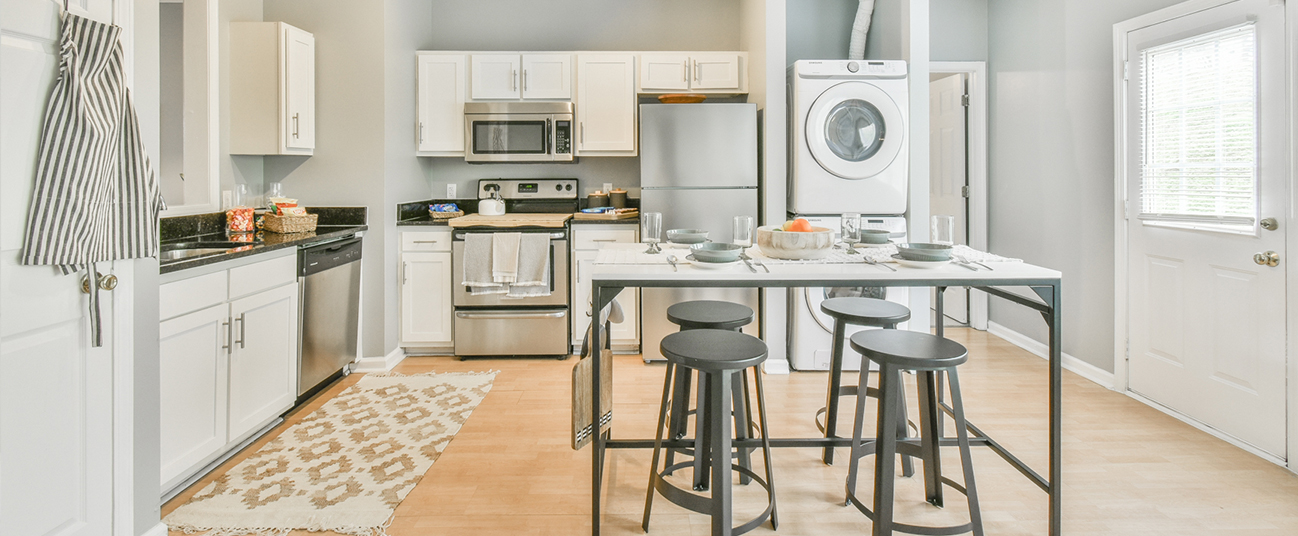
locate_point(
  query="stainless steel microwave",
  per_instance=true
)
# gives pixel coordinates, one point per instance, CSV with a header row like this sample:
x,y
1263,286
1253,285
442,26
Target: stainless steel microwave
x,y
518,132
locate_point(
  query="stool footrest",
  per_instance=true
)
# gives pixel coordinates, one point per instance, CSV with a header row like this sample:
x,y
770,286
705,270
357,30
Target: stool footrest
x,y
703,505
917,529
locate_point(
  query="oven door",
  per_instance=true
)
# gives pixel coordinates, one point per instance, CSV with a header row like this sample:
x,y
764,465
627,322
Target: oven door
x,y
558,279
480,332
509,138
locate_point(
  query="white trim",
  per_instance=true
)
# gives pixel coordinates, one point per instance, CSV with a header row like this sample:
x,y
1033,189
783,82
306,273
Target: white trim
x,y
123,442
1291,241
210,110
776,366
157,530
1099,376
1207,429
976,71
380,364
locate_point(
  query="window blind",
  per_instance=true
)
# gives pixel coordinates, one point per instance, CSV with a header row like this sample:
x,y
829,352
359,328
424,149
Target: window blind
x,y
1199,129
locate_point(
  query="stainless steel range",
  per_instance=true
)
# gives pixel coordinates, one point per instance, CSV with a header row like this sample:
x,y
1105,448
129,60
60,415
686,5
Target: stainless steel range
x,y
495,325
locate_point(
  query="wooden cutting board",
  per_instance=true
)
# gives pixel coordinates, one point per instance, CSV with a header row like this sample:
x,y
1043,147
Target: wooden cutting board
x,y
512,220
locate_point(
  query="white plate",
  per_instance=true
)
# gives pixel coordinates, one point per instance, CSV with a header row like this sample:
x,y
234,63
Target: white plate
x,y
918,264
711,265
864,245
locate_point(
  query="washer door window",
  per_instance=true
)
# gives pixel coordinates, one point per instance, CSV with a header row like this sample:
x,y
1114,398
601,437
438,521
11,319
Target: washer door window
x,y
854,130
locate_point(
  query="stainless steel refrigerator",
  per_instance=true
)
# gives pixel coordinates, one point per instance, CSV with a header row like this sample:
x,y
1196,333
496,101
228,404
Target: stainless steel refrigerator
x,y
698,167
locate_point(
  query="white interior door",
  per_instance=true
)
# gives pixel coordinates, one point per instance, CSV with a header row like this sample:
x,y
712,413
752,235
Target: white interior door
x,y
948,174
56,393
1205,125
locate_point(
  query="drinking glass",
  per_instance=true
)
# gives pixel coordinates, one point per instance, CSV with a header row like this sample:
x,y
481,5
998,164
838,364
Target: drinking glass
x,y
942,229
651,228
851,228
276,190
743,231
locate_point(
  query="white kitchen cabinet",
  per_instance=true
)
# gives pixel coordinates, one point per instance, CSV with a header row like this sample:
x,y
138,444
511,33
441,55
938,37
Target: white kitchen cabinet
x,y
193,357
586,241
228,349
263,382
440,103
520,76
272,89
697,72
606,105
426,290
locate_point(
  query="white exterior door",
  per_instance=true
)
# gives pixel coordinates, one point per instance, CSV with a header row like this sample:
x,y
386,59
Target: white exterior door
x,y
1206,162
56,393
299,88
948,176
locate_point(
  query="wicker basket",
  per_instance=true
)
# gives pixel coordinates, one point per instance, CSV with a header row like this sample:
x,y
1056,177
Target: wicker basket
x,y
443,216
290,224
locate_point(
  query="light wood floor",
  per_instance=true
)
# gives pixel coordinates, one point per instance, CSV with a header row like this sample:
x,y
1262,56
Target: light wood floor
x,y
1128,469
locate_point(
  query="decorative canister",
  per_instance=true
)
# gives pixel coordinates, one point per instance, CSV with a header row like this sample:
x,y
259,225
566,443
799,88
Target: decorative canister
x,y
239,220
617,198
597,199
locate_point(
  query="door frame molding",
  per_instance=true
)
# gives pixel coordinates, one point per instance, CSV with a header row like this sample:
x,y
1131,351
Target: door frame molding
x,y
1121,320
976,163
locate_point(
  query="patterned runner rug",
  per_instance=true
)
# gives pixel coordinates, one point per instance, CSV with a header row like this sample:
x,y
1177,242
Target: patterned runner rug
x,y
346,466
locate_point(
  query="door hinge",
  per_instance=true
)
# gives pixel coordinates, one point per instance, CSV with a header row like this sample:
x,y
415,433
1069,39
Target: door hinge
x,y
964,191
964,100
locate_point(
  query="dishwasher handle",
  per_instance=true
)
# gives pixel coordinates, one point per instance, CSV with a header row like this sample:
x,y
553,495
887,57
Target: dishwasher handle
x,y
321,257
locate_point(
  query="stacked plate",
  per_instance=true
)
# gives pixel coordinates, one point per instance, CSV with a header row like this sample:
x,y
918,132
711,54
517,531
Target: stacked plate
x,y
715,254
922,255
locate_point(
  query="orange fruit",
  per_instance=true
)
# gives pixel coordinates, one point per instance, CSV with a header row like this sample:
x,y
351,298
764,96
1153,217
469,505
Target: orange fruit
x,y
800,225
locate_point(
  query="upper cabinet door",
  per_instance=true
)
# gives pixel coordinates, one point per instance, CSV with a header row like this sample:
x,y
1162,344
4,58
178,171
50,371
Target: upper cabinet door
x,y
547,76
495,76
606,105
664,72
715,72
440,126
299,88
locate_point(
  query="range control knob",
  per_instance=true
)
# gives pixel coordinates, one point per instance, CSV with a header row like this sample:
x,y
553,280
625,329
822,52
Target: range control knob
x,y
853,67
568,187
558,187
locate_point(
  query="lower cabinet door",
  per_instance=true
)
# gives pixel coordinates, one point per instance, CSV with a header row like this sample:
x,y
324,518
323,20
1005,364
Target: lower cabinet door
x,y
426,299
192,371
625,335
263,360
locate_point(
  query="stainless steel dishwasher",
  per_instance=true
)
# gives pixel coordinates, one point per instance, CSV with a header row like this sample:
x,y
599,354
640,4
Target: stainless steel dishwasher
x,y
330,278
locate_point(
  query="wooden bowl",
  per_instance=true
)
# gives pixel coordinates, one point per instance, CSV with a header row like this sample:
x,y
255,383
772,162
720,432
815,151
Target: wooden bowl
x,y
681,98
778,244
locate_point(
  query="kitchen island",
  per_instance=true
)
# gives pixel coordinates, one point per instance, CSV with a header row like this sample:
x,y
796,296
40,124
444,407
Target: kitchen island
x,y
608,279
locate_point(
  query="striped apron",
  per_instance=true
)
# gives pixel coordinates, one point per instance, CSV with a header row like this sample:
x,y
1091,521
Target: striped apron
x,y
96,198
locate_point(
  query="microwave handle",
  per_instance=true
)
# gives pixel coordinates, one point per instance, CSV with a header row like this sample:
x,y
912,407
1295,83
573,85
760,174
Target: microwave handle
x,y
548,135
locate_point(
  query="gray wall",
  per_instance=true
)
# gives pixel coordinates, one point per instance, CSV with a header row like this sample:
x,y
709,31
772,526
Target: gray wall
x,y
171,63
958,30
1051,143
818,29
347,167
235,170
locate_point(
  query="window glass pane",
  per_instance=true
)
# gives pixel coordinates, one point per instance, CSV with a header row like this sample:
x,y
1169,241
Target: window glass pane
x,y
855,130
1199,128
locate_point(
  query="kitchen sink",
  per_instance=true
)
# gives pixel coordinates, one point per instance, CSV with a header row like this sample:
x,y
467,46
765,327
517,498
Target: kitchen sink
x,y
188,253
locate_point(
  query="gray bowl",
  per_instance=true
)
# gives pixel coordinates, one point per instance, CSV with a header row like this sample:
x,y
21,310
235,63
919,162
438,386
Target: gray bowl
x,y
716,252
924,252
874,236
687,236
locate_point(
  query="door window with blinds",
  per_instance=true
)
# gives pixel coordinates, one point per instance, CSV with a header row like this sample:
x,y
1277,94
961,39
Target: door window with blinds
x,y
1199,115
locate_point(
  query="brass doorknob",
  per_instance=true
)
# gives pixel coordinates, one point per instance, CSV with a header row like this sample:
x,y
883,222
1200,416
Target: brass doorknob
x,y
1269,258
106,282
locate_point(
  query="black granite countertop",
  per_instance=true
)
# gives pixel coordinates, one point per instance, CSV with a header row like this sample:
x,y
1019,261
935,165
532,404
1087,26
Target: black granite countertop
x,y
207,230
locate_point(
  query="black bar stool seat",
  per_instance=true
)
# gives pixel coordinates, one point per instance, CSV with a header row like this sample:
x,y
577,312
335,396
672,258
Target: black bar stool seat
x,y
707,314
928,355
717,355
870,312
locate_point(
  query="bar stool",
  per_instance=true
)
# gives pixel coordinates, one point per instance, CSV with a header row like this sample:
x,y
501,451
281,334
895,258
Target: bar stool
x,y
708,314
869,312
716,355
894,351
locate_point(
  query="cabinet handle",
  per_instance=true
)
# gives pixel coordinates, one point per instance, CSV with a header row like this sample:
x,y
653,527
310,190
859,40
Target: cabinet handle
x,y
685,71
581,127
241,328
404,269
421,132
697,76
603,240
524,79
426,241
229,335
513,80
295,125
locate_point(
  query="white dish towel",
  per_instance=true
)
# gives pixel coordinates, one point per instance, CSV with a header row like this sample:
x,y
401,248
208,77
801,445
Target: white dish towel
x,y
533,267
504,257
478,265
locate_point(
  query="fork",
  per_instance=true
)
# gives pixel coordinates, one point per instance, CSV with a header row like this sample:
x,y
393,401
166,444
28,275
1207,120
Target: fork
x,y
745,257
877,263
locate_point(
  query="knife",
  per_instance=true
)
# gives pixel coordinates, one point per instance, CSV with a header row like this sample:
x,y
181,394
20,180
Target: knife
x,y
746,258
749,264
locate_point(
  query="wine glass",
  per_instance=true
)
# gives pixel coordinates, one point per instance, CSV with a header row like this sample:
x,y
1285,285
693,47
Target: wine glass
x,y
851,231
651,228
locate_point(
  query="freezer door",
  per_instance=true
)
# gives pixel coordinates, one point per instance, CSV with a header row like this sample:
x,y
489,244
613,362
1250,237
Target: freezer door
x,y
655,301
698,145
713,210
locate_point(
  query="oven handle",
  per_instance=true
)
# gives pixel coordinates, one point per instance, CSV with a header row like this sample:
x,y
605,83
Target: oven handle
x,y
509,316
459,235
547,137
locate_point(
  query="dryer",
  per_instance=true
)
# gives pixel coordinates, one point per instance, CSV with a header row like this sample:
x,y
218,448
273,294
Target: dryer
x,y
848,137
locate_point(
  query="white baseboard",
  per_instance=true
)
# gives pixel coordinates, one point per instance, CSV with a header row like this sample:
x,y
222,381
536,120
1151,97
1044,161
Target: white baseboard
x,y
380,364
776,366
157,530
1039,349
1209,430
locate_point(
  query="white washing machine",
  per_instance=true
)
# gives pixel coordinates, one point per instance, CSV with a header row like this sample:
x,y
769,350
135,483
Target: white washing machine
x,y
810,330
848,136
